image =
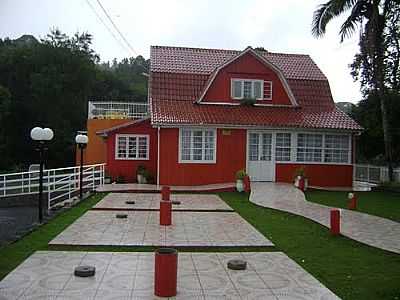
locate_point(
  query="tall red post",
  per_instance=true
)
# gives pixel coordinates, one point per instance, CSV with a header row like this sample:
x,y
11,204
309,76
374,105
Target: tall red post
x,y
165,193
165,272
352,201
247,185
335,222
165,213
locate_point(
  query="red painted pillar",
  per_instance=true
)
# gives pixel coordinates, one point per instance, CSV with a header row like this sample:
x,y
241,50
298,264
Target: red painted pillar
x,y
165,193
352,201
247,185
301,183
165,213
165,272
335,222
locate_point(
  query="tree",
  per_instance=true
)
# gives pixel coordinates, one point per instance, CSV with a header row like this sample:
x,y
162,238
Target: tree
x,y
373,18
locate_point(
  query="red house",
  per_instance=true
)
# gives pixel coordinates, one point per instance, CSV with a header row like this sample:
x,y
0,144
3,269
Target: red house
x,y
214,112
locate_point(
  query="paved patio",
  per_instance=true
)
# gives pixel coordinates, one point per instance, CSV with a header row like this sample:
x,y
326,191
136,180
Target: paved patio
x,y
135,187
371,230
151,201
142,228
270,275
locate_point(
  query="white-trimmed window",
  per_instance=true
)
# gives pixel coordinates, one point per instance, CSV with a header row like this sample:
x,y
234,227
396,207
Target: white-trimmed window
x,y
282,146
132,147
197,145
251,88
309,147
337,148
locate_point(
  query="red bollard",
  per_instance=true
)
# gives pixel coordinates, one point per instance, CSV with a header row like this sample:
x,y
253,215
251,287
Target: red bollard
x,y
247,185
301,183
335,222
352,201
165,213
165,272
165,193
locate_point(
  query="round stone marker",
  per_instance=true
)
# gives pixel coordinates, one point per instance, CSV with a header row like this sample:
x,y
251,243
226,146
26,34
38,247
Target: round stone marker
x,y
237,264
84,271
176,202
130,202
121,216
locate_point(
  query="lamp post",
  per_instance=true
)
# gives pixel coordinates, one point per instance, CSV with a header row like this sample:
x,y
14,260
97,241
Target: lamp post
x,y
81,140
42,136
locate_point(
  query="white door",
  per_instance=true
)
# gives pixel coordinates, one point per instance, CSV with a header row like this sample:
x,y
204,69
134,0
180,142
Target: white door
x,y
260,165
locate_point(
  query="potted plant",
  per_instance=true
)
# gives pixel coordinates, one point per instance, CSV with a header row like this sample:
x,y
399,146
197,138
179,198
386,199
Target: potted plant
x,y
248,101
240,175
120,179
300,178
141,174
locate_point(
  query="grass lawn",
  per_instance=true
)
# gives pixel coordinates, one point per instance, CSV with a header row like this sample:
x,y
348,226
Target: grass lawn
x,y
382,204
350,269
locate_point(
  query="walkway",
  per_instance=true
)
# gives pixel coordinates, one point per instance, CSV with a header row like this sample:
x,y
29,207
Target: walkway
x,y
135,187
371,230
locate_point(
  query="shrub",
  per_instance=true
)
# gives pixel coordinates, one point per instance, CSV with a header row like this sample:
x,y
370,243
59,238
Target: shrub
x,y
241,174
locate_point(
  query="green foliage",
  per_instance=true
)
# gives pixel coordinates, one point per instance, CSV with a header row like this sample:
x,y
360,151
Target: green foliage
x,y
248,101
241,174
120,179
300,171
141,169
48,83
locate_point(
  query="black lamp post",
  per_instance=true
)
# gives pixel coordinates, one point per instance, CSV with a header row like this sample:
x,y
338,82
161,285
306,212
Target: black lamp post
x,y
42,136
81,140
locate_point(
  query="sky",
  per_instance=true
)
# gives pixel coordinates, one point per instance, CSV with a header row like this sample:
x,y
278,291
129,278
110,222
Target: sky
x,y
278,26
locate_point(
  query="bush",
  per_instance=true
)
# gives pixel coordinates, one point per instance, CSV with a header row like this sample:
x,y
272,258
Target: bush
x,y
241,174
141,170
248,101
120,179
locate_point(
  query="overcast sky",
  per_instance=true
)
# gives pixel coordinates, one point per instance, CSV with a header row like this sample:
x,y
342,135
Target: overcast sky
x,y
278,26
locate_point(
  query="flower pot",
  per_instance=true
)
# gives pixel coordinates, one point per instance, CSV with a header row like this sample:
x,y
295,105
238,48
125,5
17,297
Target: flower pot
x,y
239,185
141,179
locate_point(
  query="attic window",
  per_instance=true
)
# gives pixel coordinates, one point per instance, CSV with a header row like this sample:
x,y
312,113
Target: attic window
x,y
251,89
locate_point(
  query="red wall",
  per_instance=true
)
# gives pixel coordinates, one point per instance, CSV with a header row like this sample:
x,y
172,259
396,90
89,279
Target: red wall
x,y
318,175
231,157
245,67
127,168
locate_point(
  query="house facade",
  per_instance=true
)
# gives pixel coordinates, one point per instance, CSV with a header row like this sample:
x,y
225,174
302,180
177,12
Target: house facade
x,y
214,112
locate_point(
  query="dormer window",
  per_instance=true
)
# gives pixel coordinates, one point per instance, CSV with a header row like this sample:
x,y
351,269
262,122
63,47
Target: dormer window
x,y
251,89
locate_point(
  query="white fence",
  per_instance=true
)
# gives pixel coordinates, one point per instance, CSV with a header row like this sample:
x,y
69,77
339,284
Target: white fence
x,y
117,110
374,174
59,184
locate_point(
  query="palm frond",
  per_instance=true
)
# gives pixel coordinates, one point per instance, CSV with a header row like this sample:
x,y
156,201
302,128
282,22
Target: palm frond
x,y
356,16
326,12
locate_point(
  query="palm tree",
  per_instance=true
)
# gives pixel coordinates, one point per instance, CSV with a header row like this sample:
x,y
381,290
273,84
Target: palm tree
x,y
371,17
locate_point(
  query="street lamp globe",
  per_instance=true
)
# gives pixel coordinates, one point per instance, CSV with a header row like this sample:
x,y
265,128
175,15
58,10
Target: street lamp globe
x,y
48,134
37,134
81,139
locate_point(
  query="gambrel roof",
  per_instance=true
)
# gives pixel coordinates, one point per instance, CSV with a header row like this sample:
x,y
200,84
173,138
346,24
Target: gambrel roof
x,y
179,76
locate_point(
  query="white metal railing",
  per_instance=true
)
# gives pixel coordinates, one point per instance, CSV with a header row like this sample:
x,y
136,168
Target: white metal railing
x,y
117,110
59,184
374,174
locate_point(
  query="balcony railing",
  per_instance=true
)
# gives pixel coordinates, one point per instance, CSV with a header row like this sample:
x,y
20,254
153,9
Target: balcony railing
x,y
117,110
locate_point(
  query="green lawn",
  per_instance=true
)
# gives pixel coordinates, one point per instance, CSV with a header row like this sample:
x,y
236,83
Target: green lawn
x,y
382,204
350,269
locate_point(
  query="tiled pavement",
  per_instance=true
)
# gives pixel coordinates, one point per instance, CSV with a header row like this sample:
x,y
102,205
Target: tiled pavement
x,y
142,228
371,230
151,201
153,187
270,275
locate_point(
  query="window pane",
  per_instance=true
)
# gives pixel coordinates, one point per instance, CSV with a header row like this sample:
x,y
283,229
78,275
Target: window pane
x,y
121,148
132,147
197,145
237,89
309,147
283,144
247,89
337,148
266,146
142,147
253,146
257,90
209,145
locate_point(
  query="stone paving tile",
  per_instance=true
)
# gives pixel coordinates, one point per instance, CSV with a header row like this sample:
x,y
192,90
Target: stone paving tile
x,y
270,275
151,201
371,230
142,228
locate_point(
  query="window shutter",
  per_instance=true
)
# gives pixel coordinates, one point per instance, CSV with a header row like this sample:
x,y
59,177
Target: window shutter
x,y
268,90
257,90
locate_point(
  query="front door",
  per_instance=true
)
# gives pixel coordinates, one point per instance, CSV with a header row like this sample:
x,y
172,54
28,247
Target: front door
x,y
261,166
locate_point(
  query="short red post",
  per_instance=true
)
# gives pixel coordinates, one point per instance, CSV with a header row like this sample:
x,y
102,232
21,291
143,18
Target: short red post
x,y
165,193
335,222
301,183
165,213
165,272
247,185
352,201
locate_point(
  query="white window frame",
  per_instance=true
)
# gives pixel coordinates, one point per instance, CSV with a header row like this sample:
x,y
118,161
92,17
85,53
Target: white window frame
x,y
242,80
280,147
192,161
314,148
340,149
137,136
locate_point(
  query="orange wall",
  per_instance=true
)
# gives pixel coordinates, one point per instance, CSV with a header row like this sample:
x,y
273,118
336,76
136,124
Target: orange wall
x,y
231,157
96,150
127,168
318,175
245,67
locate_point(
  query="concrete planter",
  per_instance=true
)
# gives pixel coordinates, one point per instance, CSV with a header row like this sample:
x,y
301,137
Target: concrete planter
x,y
239,185
141,179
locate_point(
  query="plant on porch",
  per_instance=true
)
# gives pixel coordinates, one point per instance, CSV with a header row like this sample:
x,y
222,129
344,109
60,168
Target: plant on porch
x,y
300,178
240,175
